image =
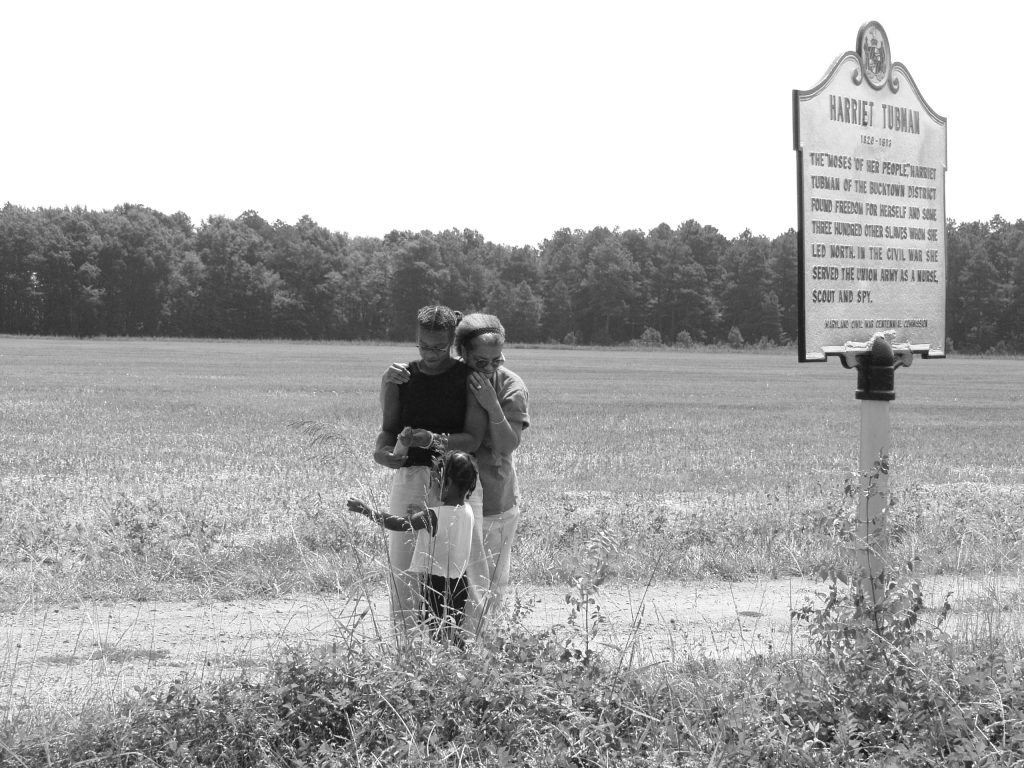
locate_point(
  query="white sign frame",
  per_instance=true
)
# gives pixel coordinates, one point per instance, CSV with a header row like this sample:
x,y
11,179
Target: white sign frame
x,y
871,170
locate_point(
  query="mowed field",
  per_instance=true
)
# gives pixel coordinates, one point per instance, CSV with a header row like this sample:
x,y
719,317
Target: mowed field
x,y
151,469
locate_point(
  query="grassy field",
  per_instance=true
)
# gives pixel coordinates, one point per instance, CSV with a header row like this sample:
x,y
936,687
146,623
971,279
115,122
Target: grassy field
x,y
149,469
165,469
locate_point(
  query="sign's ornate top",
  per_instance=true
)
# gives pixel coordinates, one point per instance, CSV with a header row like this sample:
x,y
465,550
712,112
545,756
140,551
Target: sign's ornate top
x,y
875,58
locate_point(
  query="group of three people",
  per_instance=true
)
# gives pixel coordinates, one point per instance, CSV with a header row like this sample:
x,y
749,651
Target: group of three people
x,y
450,426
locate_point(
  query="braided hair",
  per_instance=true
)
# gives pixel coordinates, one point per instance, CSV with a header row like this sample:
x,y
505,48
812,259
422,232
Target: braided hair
x,y
459,469
438,317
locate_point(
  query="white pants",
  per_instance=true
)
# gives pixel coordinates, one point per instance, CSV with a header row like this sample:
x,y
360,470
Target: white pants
x,y
410,485
499,534
490,567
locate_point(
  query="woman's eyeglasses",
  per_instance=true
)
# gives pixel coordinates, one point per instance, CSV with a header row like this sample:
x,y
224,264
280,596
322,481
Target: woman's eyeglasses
x,y
483,363
435,350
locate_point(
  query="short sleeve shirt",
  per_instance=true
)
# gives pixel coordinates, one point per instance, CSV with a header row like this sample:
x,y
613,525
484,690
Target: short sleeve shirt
x,y
446,552
498,472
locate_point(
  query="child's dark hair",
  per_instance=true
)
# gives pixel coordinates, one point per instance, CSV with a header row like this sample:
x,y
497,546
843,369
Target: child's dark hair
x,y
459,468
437,317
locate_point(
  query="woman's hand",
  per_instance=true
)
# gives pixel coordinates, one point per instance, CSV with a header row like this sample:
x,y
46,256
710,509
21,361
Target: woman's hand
x,y
398,373
418,438
386,458
402,441
484,393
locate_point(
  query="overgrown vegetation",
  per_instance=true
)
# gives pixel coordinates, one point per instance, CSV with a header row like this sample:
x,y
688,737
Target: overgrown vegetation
x,y
877,688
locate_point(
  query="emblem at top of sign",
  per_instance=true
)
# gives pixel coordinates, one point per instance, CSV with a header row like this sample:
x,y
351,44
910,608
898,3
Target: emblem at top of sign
x,y
875,59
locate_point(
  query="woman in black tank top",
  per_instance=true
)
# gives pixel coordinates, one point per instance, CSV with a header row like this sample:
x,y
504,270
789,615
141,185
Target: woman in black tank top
x,y
434,411
435,402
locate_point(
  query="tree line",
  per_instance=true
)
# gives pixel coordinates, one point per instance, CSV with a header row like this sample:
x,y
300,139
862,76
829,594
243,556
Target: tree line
x,y
133,271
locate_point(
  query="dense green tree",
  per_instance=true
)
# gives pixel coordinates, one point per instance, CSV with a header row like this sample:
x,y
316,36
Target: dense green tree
x,y
978,291
706,247
466,258
517,265
677,292
608,290
562,264
520,309
183,310
419,278
23,242
134,259
310,261
70,277
1013,332
368,277
782,267
749,304
238,295
132,270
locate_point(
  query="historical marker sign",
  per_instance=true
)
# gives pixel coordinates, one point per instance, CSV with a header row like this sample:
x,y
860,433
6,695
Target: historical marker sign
x,y
871,158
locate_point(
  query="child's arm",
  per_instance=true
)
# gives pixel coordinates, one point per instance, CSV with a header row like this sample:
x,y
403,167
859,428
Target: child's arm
x,y
426,519
423,517
383,519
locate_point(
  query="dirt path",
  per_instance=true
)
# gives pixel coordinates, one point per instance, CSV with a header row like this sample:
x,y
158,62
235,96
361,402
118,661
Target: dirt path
x,y
61,658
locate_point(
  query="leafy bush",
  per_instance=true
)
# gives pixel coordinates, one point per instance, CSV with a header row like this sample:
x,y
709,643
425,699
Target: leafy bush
x,y
651,337
884,684
684,339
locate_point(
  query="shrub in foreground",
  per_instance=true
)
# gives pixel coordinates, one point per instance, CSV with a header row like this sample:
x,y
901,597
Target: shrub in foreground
x,y
878,688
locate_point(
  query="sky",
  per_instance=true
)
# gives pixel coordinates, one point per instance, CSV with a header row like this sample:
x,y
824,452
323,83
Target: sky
x,y
511,119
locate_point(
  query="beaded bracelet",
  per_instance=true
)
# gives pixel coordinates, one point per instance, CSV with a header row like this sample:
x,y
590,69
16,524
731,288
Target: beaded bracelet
x,y
439,442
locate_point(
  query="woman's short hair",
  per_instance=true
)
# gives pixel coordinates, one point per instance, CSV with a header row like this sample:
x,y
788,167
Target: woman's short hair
x,y
478,326
438,317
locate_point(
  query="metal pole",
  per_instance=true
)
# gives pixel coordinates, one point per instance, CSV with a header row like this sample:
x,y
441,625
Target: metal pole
x,y
876,379
873,501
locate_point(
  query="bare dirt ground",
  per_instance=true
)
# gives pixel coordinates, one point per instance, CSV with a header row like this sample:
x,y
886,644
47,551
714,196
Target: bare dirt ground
x,y
61,658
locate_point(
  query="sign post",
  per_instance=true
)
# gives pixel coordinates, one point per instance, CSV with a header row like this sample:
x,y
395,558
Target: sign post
x,y
876,388
871,169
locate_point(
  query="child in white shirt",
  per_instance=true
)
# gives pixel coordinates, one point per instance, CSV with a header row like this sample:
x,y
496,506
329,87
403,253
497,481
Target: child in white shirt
x,y
443,541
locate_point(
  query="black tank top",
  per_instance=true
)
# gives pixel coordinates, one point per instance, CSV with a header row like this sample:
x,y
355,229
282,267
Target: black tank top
x,y
435,402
